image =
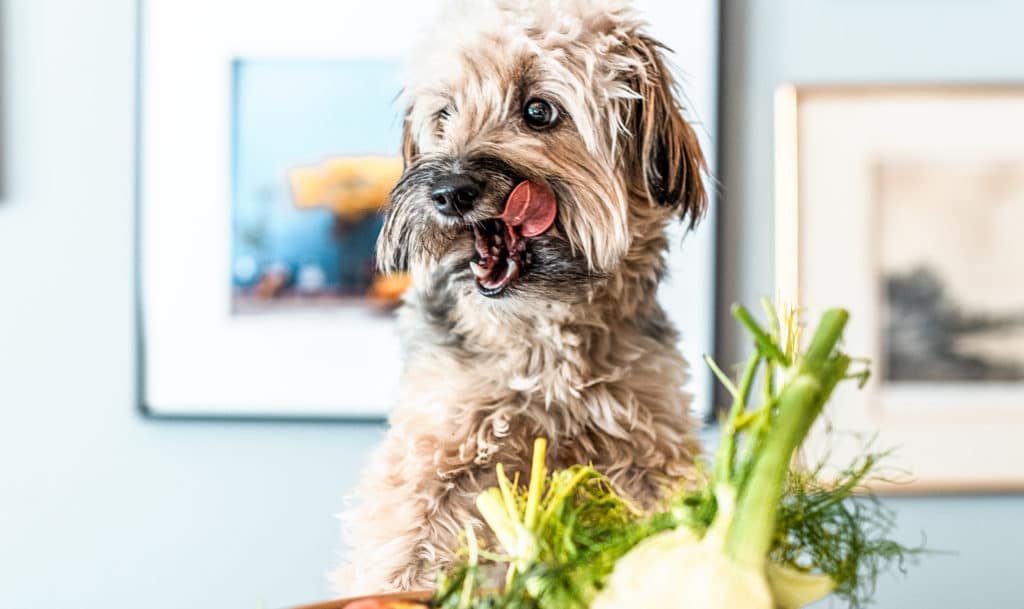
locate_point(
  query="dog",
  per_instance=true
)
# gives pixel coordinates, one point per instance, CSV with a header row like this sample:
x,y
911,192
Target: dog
x,y
545,154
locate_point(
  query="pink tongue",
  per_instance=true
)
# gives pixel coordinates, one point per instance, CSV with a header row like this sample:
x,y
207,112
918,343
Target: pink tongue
x,y
531,207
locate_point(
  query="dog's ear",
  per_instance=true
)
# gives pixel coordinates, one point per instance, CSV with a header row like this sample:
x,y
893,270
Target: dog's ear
x,y
666,151
409,149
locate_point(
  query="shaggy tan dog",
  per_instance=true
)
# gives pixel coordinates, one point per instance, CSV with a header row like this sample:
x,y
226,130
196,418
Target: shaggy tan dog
x,y
532,314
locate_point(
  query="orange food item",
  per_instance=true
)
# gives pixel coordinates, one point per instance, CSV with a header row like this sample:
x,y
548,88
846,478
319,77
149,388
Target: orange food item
x,y
384,603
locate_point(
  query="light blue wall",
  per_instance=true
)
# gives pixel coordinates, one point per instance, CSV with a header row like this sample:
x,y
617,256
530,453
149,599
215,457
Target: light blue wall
x,y
102,509
769,42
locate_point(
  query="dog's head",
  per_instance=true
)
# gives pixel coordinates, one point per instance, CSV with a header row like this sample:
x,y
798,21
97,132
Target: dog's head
x,y
571,102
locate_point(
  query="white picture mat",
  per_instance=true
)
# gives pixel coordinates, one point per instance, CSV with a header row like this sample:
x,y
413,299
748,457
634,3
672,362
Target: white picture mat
x,y
947,436
691,30
201,360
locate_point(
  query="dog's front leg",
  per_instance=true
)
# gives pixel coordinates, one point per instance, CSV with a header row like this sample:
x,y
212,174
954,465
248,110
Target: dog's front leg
x,y
412,508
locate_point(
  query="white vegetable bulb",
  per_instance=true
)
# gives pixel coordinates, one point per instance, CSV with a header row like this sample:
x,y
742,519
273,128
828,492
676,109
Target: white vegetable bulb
x,y
674,570
678,570
793,589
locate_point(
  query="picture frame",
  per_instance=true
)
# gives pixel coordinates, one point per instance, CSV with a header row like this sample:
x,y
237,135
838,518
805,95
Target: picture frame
x,y
891,201
229,331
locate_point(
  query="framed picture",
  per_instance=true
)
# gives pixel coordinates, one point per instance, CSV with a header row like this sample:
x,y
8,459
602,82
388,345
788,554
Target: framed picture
x,y
268,145
904,204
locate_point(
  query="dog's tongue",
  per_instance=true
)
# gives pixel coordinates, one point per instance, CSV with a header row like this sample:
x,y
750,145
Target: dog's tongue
x,y
531,208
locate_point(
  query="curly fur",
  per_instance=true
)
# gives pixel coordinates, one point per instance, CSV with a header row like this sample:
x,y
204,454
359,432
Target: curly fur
x,y
579,351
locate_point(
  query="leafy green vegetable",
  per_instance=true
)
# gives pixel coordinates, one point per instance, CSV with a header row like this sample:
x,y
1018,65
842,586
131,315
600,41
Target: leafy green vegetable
x,y
558,537
755,534
840,528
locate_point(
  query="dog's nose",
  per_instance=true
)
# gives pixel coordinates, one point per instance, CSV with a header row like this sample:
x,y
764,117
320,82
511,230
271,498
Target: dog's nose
x,y
454,194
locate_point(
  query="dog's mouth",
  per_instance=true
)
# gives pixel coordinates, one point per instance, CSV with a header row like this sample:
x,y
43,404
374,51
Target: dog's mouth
x,y
502,256
502,247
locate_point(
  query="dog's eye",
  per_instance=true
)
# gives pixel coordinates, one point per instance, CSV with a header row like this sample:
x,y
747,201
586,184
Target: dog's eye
x,y
441,117
540,114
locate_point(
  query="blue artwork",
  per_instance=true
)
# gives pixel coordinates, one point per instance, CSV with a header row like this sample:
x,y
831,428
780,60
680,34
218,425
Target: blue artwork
x,y
315,153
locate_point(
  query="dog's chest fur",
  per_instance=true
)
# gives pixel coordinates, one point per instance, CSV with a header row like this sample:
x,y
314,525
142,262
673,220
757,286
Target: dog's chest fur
x,y
600,378
558,370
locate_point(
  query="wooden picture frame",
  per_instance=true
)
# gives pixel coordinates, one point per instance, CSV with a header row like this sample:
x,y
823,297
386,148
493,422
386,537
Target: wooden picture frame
x,y
880,191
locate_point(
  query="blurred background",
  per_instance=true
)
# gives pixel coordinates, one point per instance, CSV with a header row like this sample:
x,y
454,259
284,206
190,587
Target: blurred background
x,y
103,507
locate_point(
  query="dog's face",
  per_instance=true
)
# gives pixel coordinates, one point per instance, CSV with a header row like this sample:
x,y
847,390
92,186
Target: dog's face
x,y
568,99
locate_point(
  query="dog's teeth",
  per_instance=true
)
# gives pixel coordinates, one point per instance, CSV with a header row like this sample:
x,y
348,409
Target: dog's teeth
x,y
512,271
495,251
479,271
480,242
498,240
